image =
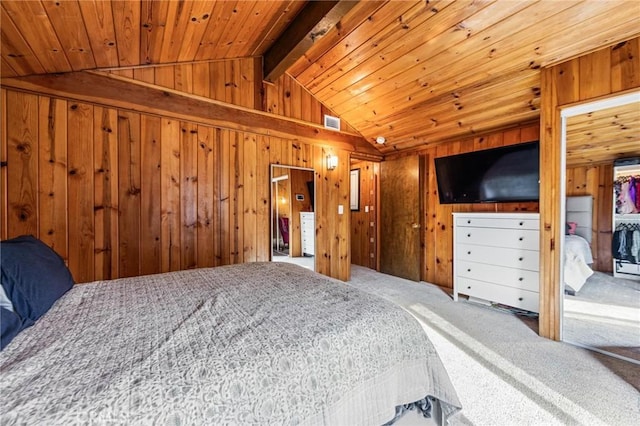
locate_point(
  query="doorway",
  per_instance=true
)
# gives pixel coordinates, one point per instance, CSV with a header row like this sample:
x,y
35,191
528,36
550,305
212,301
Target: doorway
x,y
601,310
293,215
400,208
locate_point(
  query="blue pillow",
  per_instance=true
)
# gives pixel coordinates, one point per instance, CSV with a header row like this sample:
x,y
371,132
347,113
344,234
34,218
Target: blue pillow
x,y
33,276
11,325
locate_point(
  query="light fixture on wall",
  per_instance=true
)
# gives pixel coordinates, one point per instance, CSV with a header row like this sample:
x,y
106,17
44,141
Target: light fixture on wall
x,y
380,140
332,162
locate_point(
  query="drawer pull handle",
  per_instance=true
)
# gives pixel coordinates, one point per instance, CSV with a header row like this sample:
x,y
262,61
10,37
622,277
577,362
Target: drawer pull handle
x,y
520,279
520,299
520,259
469,270
468,235
468,252
521,223
521,238
468,221
469,287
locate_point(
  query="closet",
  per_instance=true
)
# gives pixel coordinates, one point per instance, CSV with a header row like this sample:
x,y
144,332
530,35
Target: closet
x,y
626,219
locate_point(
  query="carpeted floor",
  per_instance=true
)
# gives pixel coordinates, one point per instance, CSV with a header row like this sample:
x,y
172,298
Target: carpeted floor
x,y
605,314
506,374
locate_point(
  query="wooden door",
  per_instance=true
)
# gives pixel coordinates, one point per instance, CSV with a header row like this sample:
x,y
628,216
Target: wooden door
x,y
400,217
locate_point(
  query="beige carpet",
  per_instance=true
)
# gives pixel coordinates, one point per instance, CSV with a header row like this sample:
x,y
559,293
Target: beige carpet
x,y
506,374
605,314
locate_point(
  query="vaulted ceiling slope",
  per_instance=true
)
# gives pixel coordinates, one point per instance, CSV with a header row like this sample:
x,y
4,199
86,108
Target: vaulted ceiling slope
x,y
415,72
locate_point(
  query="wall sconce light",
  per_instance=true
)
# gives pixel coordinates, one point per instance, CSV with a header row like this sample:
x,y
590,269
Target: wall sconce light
x,y
332,162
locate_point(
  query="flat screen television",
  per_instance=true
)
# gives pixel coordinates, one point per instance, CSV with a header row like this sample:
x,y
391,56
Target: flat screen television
x,y
498,175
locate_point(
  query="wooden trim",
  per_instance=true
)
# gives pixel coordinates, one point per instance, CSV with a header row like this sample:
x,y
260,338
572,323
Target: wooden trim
x,y
550,156
311,24
119,92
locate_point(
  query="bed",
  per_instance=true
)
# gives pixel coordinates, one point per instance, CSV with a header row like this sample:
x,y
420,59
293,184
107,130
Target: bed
x,y
257,343
577,249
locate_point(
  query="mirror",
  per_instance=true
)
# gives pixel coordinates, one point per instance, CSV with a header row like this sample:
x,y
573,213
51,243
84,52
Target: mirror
x,y
601,293
293,215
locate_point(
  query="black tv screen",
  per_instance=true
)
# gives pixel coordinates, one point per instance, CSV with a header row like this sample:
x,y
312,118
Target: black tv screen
x,y
497,175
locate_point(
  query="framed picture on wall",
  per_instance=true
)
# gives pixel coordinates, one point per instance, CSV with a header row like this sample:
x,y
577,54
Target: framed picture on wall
x,y
355,189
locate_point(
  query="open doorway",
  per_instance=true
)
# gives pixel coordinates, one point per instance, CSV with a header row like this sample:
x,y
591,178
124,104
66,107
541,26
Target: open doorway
x,y
600,308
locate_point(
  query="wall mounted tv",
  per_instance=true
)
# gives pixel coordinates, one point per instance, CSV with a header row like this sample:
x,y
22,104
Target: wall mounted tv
x,y
498,175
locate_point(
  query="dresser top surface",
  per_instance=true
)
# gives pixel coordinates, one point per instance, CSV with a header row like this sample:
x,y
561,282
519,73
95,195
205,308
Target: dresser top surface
x,y
501,215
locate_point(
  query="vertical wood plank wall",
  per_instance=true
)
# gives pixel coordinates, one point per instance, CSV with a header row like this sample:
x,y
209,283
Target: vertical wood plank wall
x,y
238,82
438,223
364,238
602,73
118,193
597,181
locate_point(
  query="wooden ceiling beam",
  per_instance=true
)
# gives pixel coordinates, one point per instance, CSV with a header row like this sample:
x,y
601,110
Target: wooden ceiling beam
x,y
118,92
311,24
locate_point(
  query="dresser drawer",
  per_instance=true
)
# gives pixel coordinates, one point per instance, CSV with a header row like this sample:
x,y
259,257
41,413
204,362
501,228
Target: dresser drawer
x,y
504,223
511,277
519,298
512,258
509,238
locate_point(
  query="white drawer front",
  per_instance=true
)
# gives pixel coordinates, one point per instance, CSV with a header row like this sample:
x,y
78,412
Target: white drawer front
x,y
512,258
520,278
519,298
508,223
510,238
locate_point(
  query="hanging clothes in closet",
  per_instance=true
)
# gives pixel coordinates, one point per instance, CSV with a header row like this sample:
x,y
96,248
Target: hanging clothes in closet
x,y
627,193
626,242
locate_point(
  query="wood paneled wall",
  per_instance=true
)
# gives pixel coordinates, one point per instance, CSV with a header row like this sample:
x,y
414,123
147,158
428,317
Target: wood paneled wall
x,y
288,98
601,73
234,81
238,82
597,181
118,193
364,222
438,223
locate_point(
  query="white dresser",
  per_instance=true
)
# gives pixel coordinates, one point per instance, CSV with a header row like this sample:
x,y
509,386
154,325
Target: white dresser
x,y
308,233
496,257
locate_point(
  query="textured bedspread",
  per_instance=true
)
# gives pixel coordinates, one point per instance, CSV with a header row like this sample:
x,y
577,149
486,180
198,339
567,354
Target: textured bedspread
x,y
259,343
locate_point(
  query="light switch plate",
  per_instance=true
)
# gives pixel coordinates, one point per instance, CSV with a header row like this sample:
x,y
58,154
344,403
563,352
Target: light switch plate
x,y
340,209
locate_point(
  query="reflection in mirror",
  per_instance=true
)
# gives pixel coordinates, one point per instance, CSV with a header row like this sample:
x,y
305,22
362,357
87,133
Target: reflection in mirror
x,y
601,303
293,215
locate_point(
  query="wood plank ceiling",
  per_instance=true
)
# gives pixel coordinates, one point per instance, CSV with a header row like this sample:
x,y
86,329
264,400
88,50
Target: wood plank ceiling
x,y
415,72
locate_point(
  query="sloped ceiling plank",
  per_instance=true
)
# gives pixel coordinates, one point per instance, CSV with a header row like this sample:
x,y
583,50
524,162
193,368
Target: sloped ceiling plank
x,y
200,14
217,22
286,13
441,109
236,24
312,23
351,21
402,50
108,90
66,19
467,43
16,51
31,18
153,18
126,18
178,15
255,23
468,120
448,77
7,70
349,53
97,16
